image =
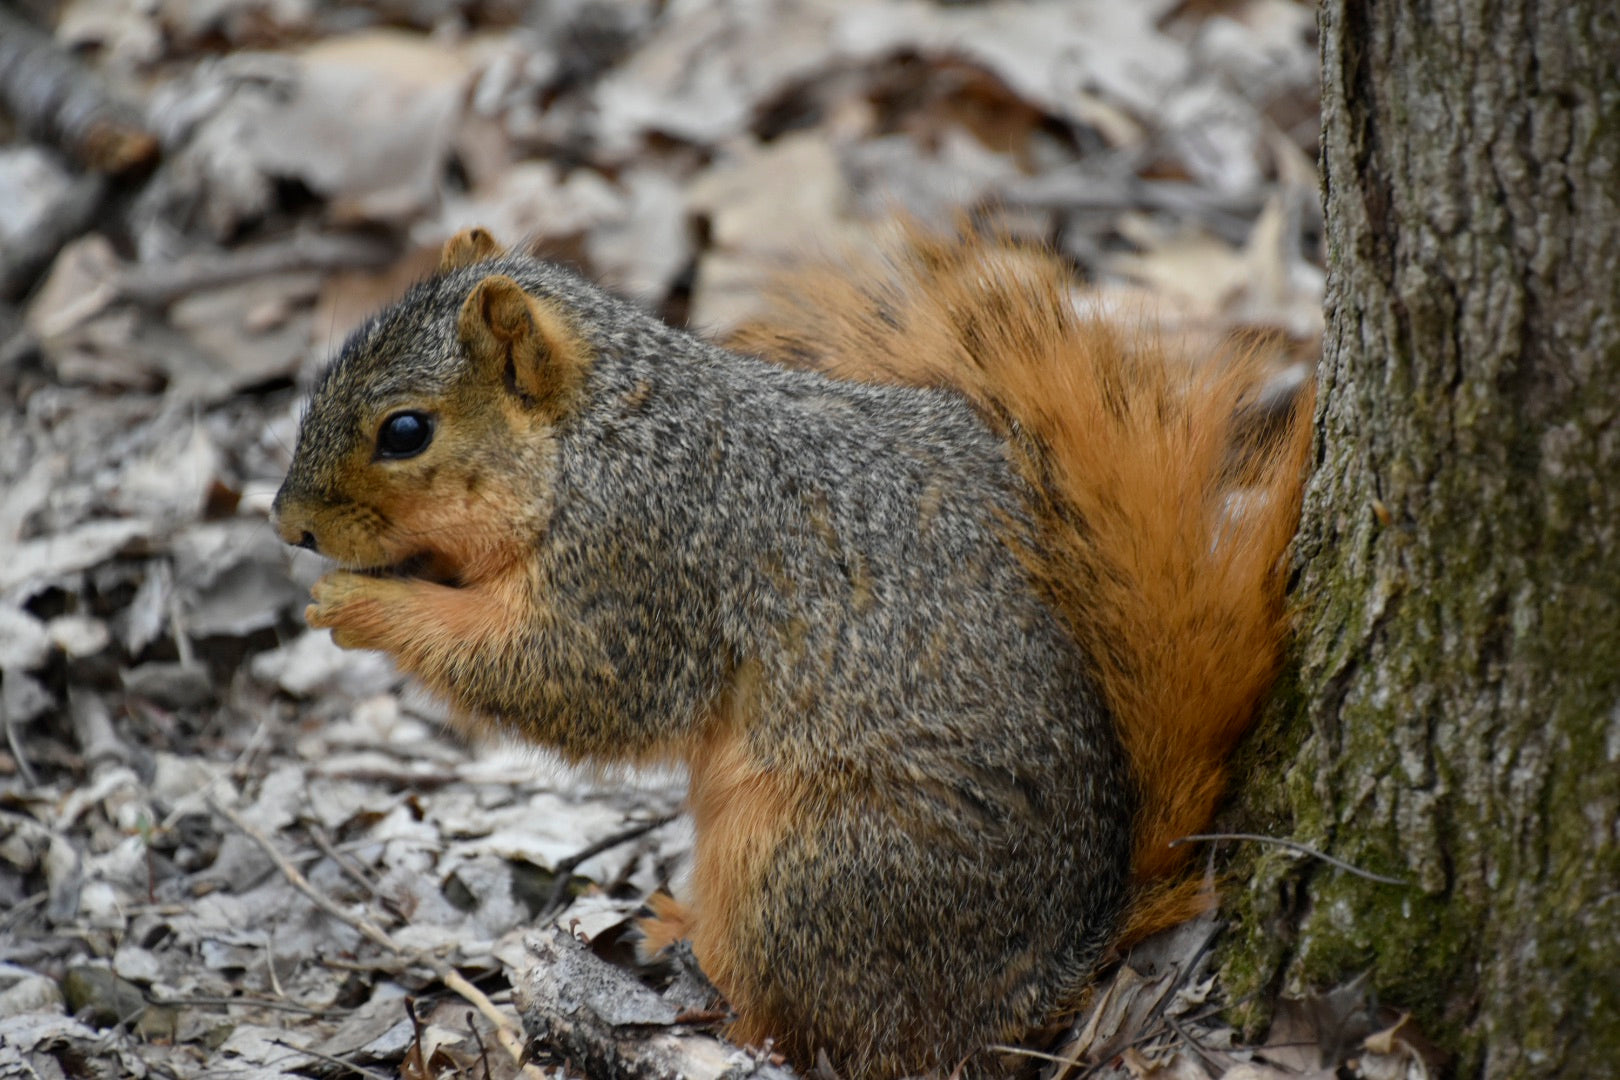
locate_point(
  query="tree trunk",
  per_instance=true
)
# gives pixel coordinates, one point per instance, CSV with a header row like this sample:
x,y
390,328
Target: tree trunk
x,y
1454,713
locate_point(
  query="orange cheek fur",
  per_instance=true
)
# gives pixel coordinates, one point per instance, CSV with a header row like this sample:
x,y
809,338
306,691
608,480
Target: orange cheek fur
x,y
468,534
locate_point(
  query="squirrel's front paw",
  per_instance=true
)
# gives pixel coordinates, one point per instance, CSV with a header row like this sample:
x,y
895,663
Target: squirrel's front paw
x,y
354,607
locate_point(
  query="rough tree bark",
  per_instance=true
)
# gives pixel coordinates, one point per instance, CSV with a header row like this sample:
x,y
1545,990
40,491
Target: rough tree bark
x,y
1454,714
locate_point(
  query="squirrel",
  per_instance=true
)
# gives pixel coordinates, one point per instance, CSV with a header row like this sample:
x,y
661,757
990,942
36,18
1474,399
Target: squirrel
x,y
951,599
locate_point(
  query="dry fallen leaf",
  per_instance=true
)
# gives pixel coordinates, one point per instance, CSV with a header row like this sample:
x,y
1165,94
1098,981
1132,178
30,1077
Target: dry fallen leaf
x,y
82,282
1175,1066
1197,273
707,69
767,207
369,122
35,564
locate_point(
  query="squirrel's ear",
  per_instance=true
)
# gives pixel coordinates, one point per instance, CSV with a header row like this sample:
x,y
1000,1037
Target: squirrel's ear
x,y
467,247
524,342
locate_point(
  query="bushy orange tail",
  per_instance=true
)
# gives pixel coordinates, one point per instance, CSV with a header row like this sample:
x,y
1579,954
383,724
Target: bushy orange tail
x,y
1167,490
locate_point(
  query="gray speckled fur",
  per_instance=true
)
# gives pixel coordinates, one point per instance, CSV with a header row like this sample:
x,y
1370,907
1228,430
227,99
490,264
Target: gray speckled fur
x,y
850,543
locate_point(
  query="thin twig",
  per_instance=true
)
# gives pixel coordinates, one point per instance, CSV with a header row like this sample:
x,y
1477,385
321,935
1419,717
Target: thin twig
x,y
1195,1046
324,842
483,1051
21,908
354,873
1142,1040
270,962
416,1062
1038,1055
1187,972
696,1017
157,285
330,1060
1151,1026
18,758
394,969
1294,846
25,770
248,1003
507,1032
564,870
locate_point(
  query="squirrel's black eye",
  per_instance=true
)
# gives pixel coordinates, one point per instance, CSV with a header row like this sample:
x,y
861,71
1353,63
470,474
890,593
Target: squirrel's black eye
x,y
405,434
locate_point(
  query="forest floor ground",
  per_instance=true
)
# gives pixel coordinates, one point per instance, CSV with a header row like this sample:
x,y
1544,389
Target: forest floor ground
x,y
228,848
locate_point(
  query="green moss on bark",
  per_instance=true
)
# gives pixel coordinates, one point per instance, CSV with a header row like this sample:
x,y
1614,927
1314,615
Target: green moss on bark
x,y
1453,713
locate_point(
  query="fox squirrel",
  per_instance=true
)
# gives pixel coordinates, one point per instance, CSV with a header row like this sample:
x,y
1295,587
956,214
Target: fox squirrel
x,y
952,608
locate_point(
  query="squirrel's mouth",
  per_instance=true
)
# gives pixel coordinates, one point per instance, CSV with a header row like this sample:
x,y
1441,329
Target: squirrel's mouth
x,y
423,566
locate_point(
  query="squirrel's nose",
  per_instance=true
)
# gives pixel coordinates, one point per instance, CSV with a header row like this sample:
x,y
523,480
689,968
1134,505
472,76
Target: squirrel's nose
x,y
289,531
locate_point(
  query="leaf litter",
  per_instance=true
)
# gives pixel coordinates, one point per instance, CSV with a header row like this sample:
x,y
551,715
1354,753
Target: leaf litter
x,y
228,848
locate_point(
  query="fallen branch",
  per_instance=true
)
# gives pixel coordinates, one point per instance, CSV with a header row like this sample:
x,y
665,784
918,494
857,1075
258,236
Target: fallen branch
x,y
26,257
59,101
159,284
1230,216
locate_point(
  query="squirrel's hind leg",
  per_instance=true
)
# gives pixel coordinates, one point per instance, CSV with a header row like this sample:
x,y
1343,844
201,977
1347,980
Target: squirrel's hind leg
x,y
671,921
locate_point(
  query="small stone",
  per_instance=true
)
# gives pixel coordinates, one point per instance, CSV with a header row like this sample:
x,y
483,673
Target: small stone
x,y
99,997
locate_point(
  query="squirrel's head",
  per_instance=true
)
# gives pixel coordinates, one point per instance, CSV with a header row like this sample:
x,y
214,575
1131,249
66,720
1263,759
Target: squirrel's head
x,y
428,446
